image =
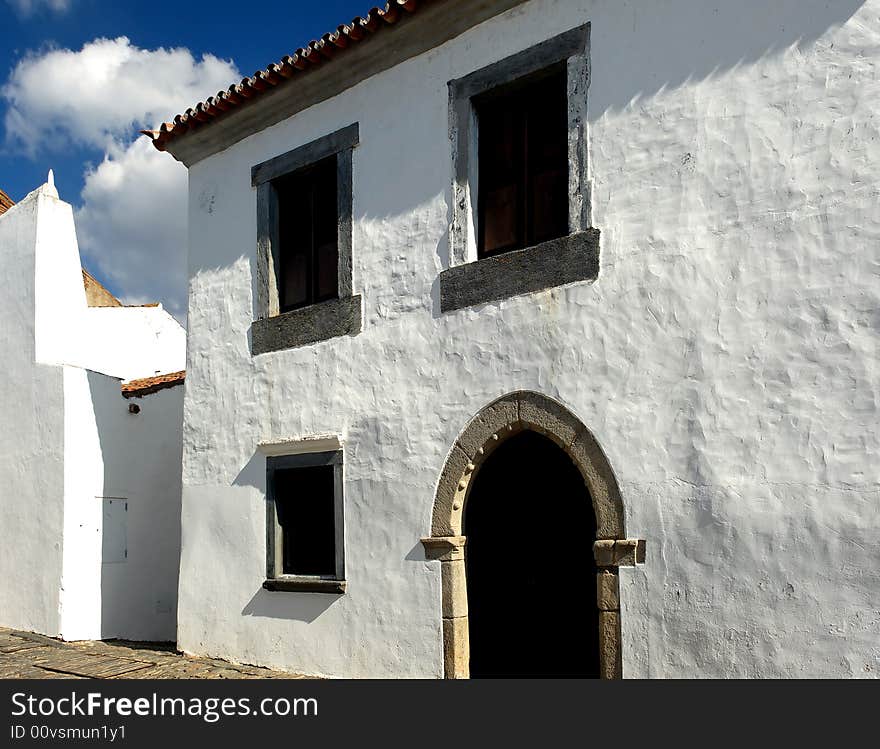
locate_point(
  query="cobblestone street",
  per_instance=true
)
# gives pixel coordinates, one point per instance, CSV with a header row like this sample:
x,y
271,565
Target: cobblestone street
x,y
24,655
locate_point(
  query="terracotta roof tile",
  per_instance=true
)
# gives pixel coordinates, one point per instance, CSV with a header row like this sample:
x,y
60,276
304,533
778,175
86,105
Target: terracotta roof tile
x,y
97,294
139,388
5,202
319,52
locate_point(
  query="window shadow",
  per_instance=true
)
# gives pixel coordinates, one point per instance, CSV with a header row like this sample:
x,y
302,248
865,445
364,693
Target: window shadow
x,y
302,607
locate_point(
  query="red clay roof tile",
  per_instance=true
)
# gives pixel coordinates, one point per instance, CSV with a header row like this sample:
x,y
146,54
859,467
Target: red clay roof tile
x,y
147,385
5,202
316,53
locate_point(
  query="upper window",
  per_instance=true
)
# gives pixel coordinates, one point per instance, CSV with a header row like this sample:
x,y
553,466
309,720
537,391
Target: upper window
x,y
520,198
307,229
523,163
305,522
304,218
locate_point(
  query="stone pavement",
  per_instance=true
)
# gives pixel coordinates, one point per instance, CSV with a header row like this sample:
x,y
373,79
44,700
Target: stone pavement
x,y
24,655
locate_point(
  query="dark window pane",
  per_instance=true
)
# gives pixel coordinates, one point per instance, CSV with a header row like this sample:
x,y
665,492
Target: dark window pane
x,y
326,232
547,149
307,228
501,216
523,163
295,289
304,502
327,280
501,141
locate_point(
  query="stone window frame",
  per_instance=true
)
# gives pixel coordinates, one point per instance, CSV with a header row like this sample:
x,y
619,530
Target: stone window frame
x,y
569,259
501,419
273,330
277,581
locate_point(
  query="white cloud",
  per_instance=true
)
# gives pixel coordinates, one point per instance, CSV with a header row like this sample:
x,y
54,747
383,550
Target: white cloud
x,y
132,225
132,219
27,7
108,88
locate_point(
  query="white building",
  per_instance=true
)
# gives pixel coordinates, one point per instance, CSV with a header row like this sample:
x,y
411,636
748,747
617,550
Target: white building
x,y
89,453
684,332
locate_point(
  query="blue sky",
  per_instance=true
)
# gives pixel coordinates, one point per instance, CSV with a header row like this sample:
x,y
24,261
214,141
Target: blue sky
x,y
80,77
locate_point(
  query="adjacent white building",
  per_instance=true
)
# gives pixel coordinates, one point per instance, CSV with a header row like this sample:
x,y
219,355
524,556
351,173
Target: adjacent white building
x,y
89,451
536,337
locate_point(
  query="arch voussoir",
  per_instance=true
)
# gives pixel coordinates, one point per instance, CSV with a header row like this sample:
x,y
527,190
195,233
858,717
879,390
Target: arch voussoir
x,y
499,420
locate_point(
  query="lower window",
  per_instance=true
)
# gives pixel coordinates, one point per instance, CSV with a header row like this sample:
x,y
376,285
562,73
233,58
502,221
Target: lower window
x,y
304,523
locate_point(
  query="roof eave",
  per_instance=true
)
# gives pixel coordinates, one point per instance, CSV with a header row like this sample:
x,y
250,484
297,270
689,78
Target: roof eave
x,y
202,131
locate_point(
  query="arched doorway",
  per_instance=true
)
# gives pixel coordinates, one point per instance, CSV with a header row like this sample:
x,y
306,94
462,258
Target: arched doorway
x,y
530,476
602,535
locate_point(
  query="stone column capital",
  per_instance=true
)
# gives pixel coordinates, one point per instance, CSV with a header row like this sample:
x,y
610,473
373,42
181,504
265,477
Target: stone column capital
x,y
444,548
621,552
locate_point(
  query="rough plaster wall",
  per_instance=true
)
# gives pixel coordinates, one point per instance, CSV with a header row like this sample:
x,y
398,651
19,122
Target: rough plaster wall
x,y
31,453
83,487
725,358
124,457
70,440
142,459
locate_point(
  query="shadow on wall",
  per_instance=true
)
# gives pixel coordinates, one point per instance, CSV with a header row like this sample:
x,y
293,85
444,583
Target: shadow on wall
x,y
140,540
637,50
302,607
644,48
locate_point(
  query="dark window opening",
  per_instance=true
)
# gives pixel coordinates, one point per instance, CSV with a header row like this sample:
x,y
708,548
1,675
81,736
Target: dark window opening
x,y
530,476
308,219
305,507
523,163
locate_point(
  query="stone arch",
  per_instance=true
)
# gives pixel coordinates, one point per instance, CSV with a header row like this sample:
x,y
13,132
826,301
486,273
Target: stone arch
x,y
509,415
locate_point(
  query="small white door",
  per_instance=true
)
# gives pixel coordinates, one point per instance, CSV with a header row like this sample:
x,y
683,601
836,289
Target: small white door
x,y
114,539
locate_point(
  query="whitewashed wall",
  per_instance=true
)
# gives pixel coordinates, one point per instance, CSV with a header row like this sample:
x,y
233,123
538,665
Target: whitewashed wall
x,y
725,359
68,442
132,460
31,442
132,342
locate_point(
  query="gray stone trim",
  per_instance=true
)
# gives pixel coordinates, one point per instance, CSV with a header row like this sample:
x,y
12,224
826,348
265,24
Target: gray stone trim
x,y
499,420
341,143
580,203
275,579
301,327
436,23
531,60
268,261
310,153
560,261
304,585
345,206
572,46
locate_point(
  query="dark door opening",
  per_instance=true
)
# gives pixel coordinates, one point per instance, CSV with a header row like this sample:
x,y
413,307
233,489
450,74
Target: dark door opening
x,y
531,576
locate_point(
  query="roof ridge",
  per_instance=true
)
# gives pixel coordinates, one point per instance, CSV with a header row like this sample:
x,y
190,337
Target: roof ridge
x,y
147,385
314,54
5,202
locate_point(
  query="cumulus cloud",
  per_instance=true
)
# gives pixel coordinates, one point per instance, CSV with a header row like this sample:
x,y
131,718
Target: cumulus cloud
x,y
108,88
27,7
132,218
132,225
